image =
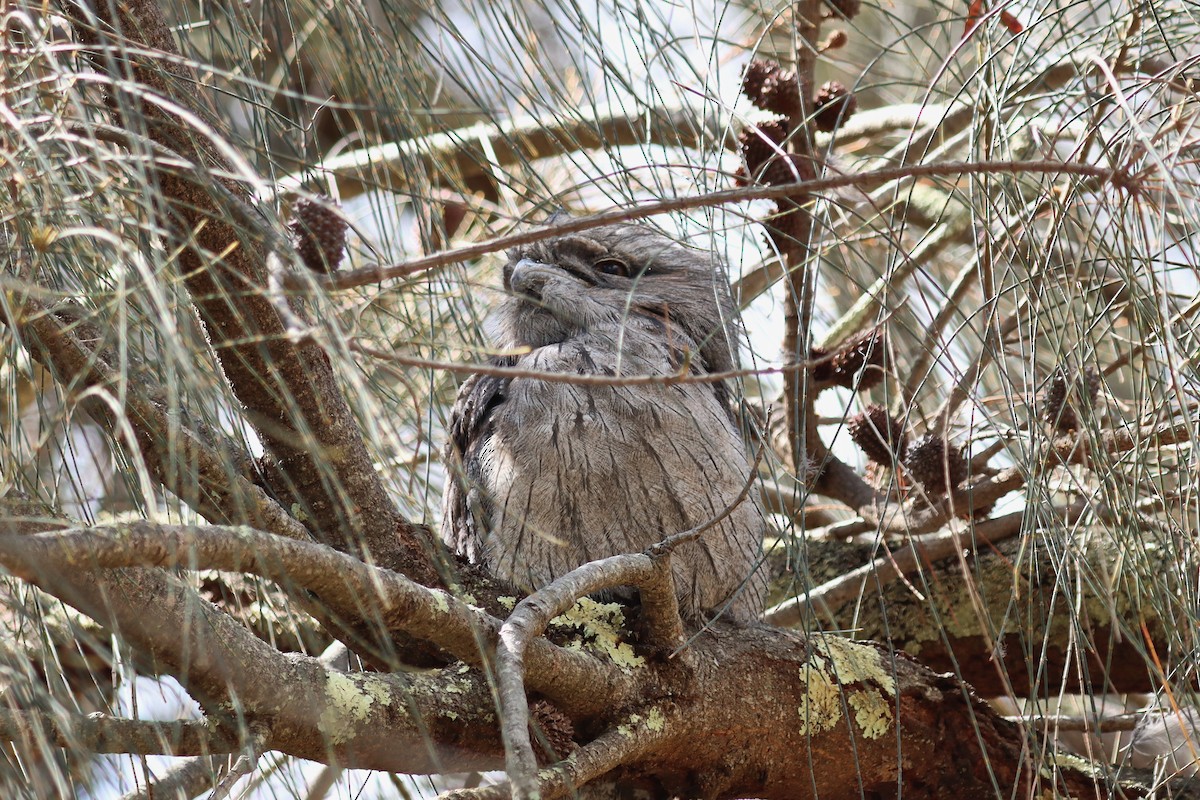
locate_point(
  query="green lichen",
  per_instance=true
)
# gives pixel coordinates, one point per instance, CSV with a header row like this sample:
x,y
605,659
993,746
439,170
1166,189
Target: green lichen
x,y
872,712
440,601
628,727
507,601
600,624
839,664
348,701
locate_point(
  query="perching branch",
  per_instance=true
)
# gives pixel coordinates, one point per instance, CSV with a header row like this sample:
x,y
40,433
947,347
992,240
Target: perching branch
x,y
348,586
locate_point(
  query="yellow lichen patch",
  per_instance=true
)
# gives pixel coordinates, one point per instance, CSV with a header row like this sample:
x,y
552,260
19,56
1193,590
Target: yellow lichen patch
x,y
855,663
600,623
821,709
872,712
348,701
507,601
655,720
439,599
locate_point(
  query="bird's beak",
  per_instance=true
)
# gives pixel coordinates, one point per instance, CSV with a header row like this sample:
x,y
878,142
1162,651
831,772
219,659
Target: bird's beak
x,y
526,276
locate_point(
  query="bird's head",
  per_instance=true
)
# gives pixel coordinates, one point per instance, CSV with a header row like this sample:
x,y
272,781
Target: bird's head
x,y
575,282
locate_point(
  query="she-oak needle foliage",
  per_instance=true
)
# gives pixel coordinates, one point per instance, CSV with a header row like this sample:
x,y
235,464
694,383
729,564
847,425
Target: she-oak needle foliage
x,y
249,252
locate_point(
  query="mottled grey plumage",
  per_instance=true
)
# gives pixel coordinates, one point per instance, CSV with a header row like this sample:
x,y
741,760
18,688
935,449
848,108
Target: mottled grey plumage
x,y
553,475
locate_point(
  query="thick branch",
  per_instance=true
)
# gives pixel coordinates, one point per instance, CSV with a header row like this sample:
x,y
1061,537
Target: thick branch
x,y
576,682
183,461
101,733
288,388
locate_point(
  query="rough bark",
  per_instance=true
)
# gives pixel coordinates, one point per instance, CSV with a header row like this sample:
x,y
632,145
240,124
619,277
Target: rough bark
x,y
752,711
287,387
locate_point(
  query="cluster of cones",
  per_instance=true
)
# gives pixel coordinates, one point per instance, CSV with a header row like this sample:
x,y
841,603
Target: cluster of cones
x,y
764,147
935,463
859,364
1066,397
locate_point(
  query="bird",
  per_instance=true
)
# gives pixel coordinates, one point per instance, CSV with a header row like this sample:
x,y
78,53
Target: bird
x,y
546,475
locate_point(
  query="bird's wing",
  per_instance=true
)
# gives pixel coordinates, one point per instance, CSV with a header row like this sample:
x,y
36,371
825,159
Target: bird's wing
x,y
466,510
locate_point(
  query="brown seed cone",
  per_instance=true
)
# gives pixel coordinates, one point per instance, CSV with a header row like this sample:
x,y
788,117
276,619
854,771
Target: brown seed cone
x,y
880,436
847,8
772,88
555,728
784,231
837,39
930,458
754,80
1057,411
781,94
760,143
834,104
319,235
859,363
785,169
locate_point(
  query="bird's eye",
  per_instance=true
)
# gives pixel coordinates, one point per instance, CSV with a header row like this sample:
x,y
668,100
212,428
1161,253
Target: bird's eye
x,y
612,266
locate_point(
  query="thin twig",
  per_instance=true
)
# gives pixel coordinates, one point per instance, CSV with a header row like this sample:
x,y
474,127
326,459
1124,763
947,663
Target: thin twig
x,y
673,379
370,275
1113,724
186,778
243,766
642,732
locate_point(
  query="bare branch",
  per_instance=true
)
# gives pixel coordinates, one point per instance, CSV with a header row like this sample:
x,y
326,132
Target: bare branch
x,y
621,746
188,778
183,461
894,565
370,275
289,389
101,733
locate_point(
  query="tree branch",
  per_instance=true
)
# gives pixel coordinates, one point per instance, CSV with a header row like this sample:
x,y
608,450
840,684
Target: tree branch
x,y
177,456
288,389
101,733
371,275
346,585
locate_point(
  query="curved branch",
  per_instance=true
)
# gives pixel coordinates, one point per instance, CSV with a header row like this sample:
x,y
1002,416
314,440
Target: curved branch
x,y
634,737
577,682
189,465
371,275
